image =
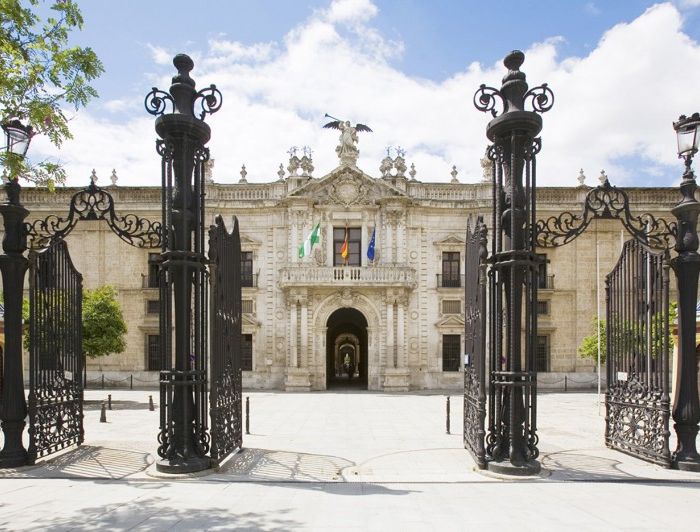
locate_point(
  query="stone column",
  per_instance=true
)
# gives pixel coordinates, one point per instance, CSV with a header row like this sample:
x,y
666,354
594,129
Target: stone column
x,y
390,360
400,342
293,347
303,361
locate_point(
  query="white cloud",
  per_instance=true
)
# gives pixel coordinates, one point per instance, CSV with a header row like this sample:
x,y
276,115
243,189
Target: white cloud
x,y
160,55
615,103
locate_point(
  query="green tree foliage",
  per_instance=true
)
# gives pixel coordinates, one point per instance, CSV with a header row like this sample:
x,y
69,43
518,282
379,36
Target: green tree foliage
x,y
628,334
39,73
104,327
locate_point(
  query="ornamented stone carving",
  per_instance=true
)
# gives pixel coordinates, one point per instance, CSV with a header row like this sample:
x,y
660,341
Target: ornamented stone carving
x,y
347,190
347,298
319,256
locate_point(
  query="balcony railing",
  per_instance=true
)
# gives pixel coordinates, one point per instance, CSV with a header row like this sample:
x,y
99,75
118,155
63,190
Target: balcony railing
x,y
386,275
249,280
545,282
450,281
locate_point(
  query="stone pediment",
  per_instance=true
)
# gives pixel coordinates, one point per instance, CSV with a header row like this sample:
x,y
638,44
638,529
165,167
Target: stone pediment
x,y
451,321
347,185
249,242
450,241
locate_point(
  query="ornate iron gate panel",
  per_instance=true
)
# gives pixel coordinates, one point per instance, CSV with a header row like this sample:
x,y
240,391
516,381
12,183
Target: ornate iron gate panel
x,y
637,313
226,384
475,342
55,352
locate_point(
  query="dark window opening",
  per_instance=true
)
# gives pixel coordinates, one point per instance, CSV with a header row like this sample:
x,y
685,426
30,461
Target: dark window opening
x,y
247,352
542,353
153,362
354,246
450,269
247,268
153,306
153,262
450,352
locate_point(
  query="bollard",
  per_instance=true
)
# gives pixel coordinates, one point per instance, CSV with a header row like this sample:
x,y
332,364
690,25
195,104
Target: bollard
x,y
103,414
103,381
247,415
131,382
566,384
150,403
447,414
109,402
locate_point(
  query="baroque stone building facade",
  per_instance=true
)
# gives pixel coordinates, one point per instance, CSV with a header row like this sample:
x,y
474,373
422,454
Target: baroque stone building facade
x,y
392,324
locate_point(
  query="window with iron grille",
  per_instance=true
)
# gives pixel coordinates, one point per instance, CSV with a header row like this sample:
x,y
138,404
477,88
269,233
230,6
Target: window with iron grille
x,y
247,306
247,352
153,260
543,307
153,306
450,352
451,306
246,268
153,352
450,269
542,353
354,246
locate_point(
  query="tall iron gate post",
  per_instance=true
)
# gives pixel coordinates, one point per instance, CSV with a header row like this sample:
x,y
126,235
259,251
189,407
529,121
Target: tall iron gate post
x,y
225,369
686,265
512,439
13,265
184,436
637,339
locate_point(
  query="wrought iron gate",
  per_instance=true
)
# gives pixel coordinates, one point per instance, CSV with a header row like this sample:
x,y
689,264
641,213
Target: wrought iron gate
x,y
475,341
637,318
225,366
55,352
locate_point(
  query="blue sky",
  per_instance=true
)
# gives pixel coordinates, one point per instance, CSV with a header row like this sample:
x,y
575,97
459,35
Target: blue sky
x,y
407,68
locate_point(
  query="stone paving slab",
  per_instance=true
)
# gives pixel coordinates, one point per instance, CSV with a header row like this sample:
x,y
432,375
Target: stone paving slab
x,y
346,461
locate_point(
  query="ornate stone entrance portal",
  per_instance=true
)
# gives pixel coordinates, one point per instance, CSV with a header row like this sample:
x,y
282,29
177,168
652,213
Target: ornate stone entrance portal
x,y
346,349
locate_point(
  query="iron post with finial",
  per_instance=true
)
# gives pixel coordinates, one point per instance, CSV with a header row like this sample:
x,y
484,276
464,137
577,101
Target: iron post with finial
x,y
183,436
512,440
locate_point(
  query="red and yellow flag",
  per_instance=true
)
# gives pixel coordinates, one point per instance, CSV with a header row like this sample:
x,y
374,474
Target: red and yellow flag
x,y
344,248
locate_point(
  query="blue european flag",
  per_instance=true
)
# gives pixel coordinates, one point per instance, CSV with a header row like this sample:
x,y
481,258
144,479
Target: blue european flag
x,y
370,248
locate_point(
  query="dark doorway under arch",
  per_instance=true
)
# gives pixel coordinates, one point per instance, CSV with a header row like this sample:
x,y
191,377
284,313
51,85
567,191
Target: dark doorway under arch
x,y
346,349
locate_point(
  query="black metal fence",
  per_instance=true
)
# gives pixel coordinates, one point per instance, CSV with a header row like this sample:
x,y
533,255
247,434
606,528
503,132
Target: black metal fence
x,y
637,344
55,352
226,378
475,340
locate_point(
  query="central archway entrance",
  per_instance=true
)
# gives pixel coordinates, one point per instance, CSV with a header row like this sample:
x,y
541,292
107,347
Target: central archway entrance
x,y
346,349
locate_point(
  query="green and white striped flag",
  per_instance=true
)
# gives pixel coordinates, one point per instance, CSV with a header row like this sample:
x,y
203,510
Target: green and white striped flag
x,y
313,238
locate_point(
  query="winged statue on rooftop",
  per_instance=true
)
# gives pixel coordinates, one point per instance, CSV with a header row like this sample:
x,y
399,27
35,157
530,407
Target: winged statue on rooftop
x,y
347,148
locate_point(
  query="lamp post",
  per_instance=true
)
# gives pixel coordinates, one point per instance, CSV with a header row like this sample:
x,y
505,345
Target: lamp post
x,y
183,436
686,265
13,267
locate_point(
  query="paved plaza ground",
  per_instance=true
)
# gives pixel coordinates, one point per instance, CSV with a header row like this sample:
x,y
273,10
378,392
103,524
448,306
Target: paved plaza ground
x,y
347,461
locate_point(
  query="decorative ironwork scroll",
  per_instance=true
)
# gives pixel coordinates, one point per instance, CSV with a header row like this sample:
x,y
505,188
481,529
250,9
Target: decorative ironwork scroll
x,y
94,203
475,341
225,364
637,345
55,352
606,202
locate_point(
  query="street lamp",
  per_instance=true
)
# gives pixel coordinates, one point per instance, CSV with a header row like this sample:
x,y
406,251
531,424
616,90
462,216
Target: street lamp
x,y
17,137
13,267
686,265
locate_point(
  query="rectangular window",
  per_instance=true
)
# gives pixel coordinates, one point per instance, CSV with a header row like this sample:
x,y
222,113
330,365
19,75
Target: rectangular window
x,y
543,307
450,352
247,306
542,277
247,268
450,269
354,246
451,306
153,306
247,352
152,279
153,352
542,353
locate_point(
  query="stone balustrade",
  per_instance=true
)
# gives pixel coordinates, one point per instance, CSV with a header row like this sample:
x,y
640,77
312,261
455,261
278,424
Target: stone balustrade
x,y
384,275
